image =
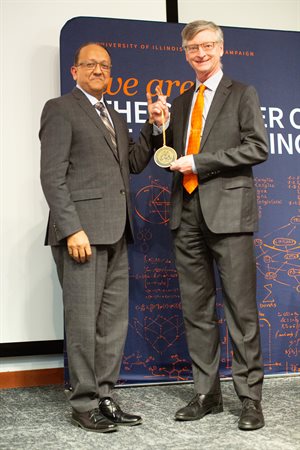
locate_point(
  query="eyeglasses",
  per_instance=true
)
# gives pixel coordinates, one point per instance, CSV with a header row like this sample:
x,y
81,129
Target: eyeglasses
x,y
205,46
91,65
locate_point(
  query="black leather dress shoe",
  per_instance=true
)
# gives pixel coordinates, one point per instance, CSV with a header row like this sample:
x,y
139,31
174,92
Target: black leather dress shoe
x,y
93,421
251,417
201,405
112,411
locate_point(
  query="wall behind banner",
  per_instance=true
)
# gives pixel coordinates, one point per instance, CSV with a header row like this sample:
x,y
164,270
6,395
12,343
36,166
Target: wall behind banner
x,y
30,299
145,54
30,306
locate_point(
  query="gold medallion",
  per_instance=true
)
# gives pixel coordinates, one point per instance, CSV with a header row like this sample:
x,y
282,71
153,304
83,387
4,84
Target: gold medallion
x,y
164,156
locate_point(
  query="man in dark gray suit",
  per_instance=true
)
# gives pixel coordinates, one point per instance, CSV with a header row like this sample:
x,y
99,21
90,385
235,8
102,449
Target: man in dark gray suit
x,y
86,158
214,222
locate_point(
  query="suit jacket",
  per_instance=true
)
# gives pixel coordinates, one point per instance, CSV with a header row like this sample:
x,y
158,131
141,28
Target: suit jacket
x,y
86,184
234,139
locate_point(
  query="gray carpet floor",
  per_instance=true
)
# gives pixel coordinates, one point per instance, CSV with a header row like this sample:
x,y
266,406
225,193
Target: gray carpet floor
x,y
39,418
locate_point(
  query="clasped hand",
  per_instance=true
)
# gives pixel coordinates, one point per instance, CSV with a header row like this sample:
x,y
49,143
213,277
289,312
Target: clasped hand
x,y
183,165
79,247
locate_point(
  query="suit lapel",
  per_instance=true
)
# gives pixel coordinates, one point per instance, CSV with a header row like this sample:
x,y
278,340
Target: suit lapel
x,y
87,107
222,92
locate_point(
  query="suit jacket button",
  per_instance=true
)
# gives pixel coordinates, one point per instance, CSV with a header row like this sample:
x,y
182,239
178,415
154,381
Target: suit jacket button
x,y
122,191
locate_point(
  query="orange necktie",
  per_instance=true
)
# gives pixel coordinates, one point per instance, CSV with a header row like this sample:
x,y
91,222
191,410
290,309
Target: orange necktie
x,y
190,181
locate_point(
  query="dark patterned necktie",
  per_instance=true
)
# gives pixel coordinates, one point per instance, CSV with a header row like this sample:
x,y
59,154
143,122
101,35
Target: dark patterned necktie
x,y
107,123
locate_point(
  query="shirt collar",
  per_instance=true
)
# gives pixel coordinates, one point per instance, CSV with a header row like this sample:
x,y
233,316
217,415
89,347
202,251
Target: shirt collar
x,y
90,97
211,83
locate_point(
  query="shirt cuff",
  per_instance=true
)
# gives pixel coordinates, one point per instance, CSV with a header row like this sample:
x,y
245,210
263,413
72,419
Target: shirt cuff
x,y
194,166
158,130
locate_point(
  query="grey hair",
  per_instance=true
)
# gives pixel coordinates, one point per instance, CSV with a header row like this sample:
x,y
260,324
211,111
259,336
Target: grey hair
x,y
193,28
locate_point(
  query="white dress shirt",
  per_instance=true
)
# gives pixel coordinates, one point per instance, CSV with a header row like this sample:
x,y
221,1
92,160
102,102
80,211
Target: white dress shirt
x,y
93,101
211,86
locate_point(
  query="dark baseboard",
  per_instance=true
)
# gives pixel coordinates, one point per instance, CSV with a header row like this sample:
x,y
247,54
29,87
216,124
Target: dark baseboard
x,y
31,378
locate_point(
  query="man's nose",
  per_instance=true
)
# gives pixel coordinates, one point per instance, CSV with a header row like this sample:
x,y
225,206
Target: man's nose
x,y
98,68
200,51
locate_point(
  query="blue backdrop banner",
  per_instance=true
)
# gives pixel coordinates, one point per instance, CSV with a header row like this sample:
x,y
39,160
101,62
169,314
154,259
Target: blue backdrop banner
x,y
144,55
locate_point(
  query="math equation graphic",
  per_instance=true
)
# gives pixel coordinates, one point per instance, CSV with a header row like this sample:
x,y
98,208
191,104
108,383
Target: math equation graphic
x,y
156,349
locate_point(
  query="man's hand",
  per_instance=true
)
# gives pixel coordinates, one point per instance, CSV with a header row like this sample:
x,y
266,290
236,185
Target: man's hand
x,y
79,247
183,165
158,111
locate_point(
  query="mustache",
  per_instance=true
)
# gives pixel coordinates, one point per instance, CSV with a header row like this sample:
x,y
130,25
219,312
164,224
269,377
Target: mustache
x,y
97,77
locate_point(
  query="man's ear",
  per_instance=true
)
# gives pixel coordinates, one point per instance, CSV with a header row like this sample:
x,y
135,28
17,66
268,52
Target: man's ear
x,y
73,71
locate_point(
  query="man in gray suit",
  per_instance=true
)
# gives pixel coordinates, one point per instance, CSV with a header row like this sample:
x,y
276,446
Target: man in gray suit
x,y
214,223
86,158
